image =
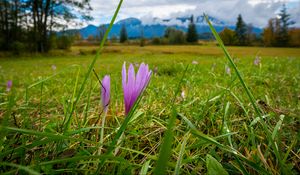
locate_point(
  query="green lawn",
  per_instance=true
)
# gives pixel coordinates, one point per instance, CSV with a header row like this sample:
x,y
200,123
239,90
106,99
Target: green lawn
x,y
210,98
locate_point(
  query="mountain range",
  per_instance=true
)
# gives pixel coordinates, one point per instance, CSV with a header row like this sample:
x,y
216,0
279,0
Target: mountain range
x,y
156,27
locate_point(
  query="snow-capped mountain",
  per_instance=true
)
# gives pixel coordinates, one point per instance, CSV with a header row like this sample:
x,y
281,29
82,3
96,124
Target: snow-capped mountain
x,y
184,21
156,27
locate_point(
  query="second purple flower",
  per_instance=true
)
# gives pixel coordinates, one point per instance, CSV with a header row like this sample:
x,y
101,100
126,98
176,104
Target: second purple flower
x,y
8,85
105,92
133,85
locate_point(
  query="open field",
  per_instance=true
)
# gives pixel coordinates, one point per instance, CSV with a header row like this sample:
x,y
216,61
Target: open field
x,y
210,97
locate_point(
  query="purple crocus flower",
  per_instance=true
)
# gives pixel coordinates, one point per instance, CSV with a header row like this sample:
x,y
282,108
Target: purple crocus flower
x,y
133,85
105,92
257,61
8,85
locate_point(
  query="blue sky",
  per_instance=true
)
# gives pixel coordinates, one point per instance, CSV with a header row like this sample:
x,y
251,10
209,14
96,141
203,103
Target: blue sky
x,y
256,12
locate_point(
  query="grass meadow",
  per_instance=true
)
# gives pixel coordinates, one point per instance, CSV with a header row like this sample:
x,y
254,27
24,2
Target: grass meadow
x,y
215,130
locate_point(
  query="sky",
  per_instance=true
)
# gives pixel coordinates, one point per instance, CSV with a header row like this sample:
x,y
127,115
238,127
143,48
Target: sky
x,y
255,12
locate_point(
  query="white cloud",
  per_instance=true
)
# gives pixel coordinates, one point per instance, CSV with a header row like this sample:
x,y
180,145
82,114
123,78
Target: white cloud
x,y
149,20
256,12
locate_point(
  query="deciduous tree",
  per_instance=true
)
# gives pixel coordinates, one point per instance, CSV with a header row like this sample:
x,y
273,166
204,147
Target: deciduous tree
x,y
228,37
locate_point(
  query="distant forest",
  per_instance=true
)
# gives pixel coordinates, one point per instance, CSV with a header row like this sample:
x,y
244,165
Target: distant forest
x,y
278,33
30,25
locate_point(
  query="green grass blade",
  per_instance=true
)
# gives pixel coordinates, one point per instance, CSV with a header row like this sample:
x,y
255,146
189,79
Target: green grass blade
x,y
87,106
214,167
78,158
68,123
224,127
278,126
294,143
44,134
20,167
166,148
182,149
5,120
240,103
72,159
87,129
145,168
28,146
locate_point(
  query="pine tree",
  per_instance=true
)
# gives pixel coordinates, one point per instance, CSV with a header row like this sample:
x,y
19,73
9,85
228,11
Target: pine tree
x,y
282,38
241,31
123,34
142,38
192,36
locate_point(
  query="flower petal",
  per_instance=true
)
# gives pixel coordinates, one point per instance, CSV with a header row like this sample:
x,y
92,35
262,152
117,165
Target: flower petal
x,y
135,84
105,92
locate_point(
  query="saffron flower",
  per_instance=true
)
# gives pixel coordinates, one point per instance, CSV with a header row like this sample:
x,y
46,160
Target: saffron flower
x,y
133,85
8,85
105,92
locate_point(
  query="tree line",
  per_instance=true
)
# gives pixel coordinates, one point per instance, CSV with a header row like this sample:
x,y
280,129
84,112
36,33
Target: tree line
x,y
278,33
32,24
